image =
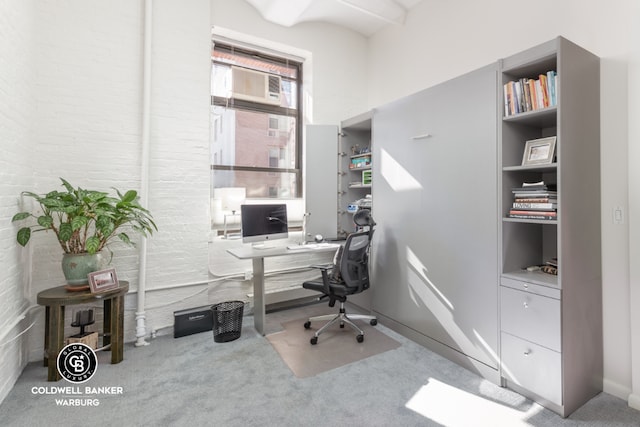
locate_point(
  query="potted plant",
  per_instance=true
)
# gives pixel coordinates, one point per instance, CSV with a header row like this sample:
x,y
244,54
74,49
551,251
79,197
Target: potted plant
x,y
85,222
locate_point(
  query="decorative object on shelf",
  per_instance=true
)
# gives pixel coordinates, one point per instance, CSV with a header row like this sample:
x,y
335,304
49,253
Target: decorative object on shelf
x,y
84,222
366,177
82,319
103,280
539,151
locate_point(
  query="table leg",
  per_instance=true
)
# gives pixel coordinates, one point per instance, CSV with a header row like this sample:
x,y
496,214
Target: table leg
x,y
258,294
55,339
117,329
106,322
46,336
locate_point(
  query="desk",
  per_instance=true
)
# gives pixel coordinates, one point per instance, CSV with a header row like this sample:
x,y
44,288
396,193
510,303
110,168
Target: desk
x,y
55,300
257,256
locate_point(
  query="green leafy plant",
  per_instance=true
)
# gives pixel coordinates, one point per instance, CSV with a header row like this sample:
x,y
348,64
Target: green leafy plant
x,y
85,221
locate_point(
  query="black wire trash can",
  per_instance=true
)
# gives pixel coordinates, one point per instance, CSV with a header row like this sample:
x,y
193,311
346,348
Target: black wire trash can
x,y
227,320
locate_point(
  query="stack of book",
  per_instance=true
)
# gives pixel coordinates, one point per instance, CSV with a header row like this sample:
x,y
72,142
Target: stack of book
x,y
535,200
527,94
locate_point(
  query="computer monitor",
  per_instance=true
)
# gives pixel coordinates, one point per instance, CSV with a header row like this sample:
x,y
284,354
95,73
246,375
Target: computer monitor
x,y
261,223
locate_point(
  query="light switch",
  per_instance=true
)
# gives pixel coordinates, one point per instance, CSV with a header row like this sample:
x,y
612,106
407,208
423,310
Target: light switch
x,y
618,215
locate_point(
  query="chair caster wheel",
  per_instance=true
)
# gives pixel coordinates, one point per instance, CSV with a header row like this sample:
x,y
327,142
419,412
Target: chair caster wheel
x,y
373,322
307,324
314,340
341,325
360,338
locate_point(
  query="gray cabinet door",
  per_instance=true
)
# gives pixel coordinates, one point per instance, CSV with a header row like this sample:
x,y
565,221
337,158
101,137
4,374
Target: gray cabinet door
x,y
435,200
321,179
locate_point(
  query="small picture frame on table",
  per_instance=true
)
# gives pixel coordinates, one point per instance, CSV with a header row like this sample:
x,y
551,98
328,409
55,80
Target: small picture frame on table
x,y
539,151
103,280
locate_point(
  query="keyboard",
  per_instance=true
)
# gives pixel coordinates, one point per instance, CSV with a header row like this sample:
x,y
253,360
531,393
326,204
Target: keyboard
x,y
313,246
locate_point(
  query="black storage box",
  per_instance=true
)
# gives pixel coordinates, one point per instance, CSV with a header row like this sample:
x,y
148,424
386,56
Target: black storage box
x,y
192,321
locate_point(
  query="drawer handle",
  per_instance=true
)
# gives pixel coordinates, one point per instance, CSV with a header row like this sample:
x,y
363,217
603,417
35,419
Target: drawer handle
x,y
527,352
525,304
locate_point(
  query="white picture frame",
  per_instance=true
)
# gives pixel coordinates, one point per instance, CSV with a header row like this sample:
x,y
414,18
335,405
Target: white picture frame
x,y
539,151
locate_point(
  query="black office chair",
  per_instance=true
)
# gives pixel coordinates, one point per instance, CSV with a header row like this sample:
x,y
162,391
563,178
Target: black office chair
x,y
348,275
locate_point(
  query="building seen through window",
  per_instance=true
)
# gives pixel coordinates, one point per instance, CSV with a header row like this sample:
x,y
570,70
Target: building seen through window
x,y
255,123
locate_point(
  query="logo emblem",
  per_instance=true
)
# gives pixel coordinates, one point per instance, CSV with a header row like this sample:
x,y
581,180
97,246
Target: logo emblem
x,y
77,363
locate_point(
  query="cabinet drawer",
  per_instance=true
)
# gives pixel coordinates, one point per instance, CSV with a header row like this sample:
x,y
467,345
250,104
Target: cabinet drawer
x,y
532,367
523,285
532,317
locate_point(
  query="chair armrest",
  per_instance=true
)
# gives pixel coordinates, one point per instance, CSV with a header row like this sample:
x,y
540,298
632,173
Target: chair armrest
x,y
322,266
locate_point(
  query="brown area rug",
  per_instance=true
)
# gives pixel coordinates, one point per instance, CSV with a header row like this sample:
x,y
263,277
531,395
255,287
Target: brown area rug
x,y
336,346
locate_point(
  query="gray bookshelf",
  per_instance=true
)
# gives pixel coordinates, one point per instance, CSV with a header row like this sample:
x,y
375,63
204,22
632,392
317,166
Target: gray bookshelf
x,y
551,325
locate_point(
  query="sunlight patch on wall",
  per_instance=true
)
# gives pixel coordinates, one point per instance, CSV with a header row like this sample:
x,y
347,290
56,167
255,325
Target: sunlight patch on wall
x,y
398,178
426,293
420,269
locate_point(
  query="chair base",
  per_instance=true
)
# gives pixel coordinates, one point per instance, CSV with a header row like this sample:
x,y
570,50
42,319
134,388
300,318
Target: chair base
x,y
343,318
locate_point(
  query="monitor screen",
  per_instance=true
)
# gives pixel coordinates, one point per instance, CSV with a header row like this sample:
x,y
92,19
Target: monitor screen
x,y
263,222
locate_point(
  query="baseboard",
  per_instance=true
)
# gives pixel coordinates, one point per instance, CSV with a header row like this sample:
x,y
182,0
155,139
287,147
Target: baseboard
x,y
616,389
634,401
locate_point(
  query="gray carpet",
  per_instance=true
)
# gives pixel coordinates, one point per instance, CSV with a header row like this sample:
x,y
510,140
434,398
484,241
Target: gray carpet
x,y
195,381
336,346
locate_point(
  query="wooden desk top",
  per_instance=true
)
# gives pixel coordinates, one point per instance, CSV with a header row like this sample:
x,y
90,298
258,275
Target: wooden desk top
x,y
61,296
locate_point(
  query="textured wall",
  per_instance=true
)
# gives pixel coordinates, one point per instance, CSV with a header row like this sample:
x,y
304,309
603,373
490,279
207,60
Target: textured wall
x,y
16,113
71,84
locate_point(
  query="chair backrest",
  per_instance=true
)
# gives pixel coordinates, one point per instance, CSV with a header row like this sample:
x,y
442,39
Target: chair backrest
x,y
354,265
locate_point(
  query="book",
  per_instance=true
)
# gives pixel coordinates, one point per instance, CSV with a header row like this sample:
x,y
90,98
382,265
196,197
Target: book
x,y
533,215
527,194
533,212
507,100
534,205
553,200
544,90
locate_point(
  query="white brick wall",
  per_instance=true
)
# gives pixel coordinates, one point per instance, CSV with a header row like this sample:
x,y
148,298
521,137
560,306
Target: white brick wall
x,y
16,113
71,106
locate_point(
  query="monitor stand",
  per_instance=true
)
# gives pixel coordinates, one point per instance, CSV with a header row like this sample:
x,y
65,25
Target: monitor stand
x,y
262,245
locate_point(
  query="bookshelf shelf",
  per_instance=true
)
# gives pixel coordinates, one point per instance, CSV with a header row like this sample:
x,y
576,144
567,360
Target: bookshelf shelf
x,y
531,168
569,192
531,221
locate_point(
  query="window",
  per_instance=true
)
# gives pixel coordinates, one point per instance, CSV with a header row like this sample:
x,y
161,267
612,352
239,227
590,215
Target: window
x,y
256,133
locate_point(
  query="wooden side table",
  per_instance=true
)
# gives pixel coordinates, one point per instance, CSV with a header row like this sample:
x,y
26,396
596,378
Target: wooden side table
x,y
55,300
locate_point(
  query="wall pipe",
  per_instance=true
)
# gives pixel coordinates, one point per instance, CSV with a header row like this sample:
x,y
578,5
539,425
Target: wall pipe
x,y
141,329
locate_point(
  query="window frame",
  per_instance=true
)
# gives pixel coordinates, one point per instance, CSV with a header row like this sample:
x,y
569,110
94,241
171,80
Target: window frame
x,y
239,104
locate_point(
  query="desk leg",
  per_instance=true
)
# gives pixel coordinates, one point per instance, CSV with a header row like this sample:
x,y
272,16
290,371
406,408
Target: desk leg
x,y
55,333
258,294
